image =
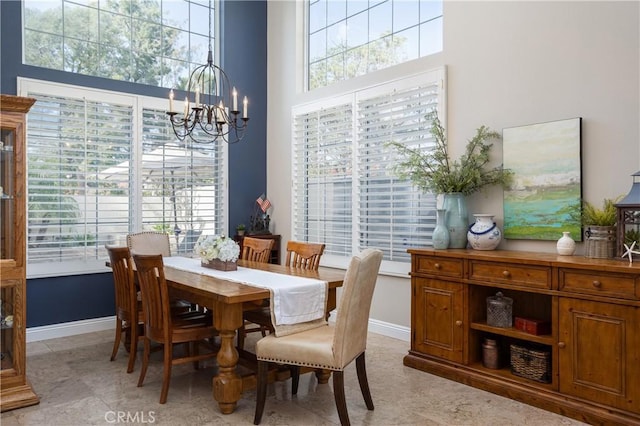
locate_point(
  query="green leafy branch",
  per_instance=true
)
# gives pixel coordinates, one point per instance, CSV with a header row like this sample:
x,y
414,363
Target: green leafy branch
x,y
433,171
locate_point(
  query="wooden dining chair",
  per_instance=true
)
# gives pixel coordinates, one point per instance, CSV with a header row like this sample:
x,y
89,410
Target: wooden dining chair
x,y
129,313
331,347
152,242
168,328
256,249
302,255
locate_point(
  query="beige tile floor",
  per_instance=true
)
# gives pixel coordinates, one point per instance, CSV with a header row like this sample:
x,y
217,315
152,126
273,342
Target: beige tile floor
x,y
77,385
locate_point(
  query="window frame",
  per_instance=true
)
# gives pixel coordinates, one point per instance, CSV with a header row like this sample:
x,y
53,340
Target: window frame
x,y
391,267
422,28
139,104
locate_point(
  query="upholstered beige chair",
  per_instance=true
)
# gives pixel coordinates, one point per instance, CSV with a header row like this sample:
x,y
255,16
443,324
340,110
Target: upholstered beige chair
x,y
149,242
302,255
330,347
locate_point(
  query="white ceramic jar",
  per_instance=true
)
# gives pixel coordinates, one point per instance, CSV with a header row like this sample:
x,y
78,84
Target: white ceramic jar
x,y
566,246
484,234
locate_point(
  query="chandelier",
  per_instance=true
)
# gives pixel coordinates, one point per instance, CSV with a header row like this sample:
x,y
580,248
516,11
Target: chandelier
x,y
214,115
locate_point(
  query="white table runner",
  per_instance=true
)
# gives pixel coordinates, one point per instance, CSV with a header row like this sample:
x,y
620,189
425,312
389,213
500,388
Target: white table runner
x,y
294,300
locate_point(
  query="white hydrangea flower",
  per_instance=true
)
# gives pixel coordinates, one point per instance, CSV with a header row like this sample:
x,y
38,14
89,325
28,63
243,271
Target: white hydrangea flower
x,y
209,247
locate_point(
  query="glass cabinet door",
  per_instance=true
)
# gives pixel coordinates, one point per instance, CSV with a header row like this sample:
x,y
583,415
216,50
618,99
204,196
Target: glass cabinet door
x,y
7,190
7,298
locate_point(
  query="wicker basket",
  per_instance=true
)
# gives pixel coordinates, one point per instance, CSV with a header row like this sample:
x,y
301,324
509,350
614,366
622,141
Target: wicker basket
x,y
600,242
533,364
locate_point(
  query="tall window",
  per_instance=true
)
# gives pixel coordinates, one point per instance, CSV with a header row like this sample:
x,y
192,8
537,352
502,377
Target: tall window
x,y
102,164
345,192
349,38
153,42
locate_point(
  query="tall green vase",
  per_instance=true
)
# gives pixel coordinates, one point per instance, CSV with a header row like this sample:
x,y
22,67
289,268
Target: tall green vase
x,y
455,204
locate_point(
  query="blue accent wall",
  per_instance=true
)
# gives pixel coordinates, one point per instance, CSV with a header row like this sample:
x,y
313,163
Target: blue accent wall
x,y
244,58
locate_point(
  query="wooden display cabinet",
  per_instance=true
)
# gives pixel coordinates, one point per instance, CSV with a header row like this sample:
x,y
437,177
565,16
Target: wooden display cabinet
x,y
593,306
15,391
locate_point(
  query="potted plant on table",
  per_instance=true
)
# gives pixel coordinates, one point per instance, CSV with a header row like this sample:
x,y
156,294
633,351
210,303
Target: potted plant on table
x,y
600,228
240,230
433,171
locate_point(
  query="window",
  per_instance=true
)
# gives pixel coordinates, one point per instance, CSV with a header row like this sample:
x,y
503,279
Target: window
x,y
101,165
345,192
153,42
346,39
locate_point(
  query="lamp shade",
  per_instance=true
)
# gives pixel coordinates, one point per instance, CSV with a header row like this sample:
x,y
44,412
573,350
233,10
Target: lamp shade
x,y
628,217
633,197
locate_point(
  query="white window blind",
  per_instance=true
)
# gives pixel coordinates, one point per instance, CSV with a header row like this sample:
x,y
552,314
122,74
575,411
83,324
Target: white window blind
x,y
345,191
393,215
101,165
323,176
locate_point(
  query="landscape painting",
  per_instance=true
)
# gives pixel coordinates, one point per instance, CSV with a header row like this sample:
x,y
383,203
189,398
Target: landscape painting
x,y
545,197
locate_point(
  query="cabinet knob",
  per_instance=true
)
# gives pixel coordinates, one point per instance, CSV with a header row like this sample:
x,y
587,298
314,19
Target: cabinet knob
x,y
597,284
506,274
437,266
459,323
561,345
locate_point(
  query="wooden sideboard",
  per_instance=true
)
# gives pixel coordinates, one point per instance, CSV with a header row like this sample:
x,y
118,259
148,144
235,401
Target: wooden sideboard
x,y
592,305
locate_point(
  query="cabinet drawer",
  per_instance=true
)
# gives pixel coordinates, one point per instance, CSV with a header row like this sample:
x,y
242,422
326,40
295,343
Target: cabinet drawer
x,y
440,266
509,273
614,285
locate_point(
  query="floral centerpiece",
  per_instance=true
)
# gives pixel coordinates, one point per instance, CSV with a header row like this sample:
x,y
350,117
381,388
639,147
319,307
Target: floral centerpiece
x,y
217,252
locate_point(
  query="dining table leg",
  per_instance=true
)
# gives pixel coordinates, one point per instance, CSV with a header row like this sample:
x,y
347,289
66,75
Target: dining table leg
x,y
227,385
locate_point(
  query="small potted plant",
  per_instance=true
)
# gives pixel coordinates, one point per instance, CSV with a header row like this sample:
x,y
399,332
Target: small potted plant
x,y
240,229
600,228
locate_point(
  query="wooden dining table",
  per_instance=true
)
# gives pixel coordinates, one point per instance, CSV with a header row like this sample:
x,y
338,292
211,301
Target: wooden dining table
x,y
227,300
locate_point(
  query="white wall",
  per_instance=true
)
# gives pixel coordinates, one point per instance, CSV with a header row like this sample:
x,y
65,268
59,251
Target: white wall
x,y
508,64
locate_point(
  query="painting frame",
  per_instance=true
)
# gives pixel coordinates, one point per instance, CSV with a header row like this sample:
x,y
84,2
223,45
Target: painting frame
x,y
545,198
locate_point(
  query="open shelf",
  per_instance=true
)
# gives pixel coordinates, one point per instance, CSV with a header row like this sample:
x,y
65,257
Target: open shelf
x,y
544,339
505,373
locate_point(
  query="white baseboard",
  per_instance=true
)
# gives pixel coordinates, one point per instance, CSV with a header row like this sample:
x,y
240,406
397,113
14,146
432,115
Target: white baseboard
x,y
35,334
45,332
390,330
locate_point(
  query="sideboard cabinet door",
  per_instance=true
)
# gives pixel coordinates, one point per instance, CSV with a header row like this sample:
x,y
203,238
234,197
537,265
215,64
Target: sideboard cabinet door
x,y
599,352
437,328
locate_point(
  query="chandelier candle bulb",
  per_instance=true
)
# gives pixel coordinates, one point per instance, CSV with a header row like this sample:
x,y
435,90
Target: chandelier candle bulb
x,y
197,97
235,100
221,117
186,106
245,104
171,101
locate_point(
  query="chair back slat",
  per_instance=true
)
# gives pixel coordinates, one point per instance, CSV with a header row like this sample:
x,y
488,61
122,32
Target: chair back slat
x,y
350,338
257,249
124,284
304,255
149,242
155,296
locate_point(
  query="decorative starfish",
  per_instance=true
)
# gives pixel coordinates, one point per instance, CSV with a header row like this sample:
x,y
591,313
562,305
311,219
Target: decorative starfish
x,y
630,251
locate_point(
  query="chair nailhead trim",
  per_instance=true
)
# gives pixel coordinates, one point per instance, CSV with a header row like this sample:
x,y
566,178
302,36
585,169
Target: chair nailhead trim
x,y
302,364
